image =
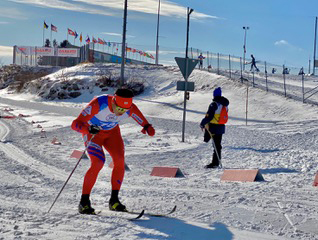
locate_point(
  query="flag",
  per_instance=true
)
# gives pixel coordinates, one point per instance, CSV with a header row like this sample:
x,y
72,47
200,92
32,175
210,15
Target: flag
x,y
45,25
81,38
94,40
70,32
53,28
100,41
76,35
87,39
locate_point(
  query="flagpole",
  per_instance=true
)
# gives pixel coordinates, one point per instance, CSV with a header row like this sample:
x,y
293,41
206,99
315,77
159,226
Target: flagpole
x,y
43,35
51,37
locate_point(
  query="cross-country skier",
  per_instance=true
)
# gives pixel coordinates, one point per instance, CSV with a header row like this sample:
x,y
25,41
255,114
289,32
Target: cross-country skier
x,y
253,64
99,125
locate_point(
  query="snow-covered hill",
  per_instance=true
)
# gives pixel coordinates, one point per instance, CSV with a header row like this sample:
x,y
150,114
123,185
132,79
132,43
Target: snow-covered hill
x,y
280,139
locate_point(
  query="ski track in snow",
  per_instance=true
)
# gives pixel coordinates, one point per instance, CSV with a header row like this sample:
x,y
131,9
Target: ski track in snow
x,y
283,207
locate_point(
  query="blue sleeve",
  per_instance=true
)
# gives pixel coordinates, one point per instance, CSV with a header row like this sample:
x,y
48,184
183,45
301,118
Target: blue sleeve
x,y
103,102
209,115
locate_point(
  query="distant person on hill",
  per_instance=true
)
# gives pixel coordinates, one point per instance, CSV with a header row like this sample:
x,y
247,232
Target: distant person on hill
x,y
273,70
285,71
99,125
214,125
253,64
301,71
201,61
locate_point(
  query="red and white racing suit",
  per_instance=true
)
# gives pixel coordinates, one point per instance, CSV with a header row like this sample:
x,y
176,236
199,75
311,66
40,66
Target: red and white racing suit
x,y
99,112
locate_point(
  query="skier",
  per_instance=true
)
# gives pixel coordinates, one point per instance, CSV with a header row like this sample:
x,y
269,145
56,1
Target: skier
x,y
253,64
99,125
212,124
201,61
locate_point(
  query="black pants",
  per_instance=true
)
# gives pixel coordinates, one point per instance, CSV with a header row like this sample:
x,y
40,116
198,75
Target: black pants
x,y
217,138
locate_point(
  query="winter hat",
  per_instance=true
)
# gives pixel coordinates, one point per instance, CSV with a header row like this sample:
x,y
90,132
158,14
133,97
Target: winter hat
x,y
217,92
123,98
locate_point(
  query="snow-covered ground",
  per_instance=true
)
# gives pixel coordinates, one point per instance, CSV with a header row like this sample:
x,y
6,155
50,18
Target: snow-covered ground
x,y
280,139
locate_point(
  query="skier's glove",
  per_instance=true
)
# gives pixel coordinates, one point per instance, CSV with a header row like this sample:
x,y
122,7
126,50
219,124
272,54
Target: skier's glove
x,y
93,129
149,129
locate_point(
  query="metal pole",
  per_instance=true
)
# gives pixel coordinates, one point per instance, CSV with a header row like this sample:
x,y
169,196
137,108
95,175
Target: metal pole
x,y
123,46
303,86
284,73
266,77
208,58
241,70
157,41
230,67
253,78
244,46
14,54
313,71
189,11
214,146
89,143
218,63
246,108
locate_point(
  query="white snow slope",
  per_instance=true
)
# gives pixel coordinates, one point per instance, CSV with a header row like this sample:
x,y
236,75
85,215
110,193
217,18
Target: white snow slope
x,y
280,139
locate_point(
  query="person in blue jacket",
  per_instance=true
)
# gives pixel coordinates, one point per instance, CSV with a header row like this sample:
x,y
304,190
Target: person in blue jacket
x,y
212,126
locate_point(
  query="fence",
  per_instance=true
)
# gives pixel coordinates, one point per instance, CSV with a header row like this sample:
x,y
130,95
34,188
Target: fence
x,y
288,81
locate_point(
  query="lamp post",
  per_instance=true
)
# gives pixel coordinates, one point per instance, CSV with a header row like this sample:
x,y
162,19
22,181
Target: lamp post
x,y
315,39
157,41
123,46
189,11
244,46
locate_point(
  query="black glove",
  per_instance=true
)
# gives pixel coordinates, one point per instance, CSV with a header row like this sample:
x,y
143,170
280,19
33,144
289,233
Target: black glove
x,y
93,129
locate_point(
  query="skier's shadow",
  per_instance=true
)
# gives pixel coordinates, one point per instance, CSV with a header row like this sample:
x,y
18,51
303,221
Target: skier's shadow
x,y
172,228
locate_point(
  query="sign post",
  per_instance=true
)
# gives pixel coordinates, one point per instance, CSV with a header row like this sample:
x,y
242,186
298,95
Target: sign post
x,y
186,66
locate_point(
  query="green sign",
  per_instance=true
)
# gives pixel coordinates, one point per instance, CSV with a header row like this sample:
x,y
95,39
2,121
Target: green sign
x,y
181,86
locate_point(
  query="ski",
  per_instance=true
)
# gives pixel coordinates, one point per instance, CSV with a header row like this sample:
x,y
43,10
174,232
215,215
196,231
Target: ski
x,y
139,214
158,214
162,214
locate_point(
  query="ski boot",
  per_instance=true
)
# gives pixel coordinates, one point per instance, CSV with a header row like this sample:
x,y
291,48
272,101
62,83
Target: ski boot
x,y
86,208
117,206
211,166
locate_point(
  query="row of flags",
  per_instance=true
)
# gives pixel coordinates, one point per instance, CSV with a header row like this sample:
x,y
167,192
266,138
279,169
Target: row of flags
x,y
99,41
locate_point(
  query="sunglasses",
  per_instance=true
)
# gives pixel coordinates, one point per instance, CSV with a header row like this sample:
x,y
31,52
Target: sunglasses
x,y
121,110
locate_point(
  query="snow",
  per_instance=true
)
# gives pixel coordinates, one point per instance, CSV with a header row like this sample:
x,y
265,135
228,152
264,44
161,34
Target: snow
x,y
280,139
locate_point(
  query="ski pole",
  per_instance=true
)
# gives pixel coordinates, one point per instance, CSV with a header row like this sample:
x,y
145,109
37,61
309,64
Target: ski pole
x,y
89,143
217,154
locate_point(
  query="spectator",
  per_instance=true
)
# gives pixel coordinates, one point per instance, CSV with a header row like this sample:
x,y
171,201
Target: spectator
x,y
201,61
214,126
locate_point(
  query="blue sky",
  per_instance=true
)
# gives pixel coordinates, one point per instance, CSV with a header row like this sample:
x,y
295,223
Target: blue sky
x,y
281,31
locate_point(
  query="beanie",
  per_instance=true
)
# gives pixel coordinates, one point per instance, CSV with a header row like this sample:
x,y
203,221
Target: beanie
x,y
123,98
217,92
